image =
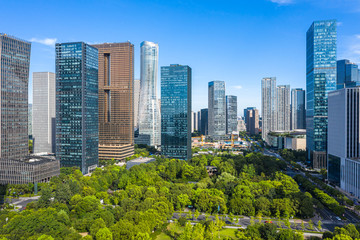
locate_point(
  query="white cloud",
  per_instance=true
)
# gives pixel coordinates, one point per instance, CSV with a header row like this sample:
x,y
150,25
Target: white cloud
x,y
45,41
237,87
282,2
351,49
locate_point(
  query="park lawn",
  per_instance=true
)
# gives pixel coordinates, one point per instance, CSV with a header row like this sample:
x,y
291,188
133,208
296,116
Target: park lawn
x,y
228,232
176,228
163,236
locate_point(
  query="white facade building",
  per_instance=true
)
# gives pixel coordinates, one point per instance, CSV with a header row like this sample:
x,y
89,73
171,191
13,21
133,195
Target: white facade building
x,y
136,102
283,107
268,106
343,139
149,109
43,112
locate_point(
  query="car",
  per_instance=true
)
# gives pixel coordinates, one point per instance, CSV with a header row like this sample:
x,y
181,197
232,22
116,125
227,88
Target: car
x,y
268,221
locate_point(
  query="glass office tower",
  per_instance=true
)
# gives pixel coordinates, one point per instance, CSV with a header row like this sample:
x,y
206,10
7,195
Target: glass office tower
x,y
14,79
297,108
231,114
149,109
77,121
204,121
176,111
217,109
320,80
347,74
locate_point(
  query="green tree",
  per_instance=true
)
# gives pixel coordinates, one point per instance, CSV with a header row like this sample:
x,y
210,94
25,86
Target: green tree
x,y
96,226
63,193
104,234
44,200
302,225
319,223
311,224
196,214
45,237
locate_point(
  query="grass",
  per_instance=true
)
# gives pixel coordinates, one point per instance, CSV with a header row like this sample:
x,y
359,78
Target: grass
x,y
228,232
225,232
163,236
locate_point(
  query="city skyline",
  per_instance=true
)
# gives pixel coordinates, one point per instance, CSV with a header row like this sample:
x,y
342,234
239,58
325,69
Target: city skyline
x,y
287,41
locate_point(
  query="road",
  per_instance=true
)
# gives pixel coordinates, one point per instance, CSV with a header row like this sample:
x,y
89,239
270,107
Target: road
x,y
21,202
330,220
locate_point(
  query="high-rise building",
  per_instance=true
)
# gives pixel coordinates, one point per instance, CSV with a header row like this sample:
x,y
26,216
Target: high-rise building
x,y
347,74
204,122
30,120
194,122
241,124
44,107
198,120
268,106
245,112
175,111
116,100
283,107
136,102
149,109
217,109
231,114
343,139
77,111
252,125
14,78
320,80
297,108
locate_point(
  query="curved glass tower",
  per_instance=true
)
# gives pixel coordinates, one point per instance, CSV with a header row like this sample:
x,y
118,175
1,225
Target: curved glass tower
x,y
149,109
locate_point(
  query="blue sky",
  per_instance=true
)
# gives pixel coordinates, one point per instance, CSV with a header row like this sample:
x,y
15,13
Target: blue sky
x,y
236,41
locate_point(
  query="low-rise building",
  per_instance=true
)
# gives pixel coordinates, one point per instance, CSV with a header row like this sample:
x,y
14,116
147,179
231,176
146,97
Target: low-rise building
x,y
30,169
295,140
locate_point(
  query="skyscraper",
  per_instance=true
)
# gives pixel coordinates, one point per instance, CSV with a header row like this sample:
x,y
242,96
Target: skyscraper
x,y
77,111
297,108
231,114
204,121
175,111
268,106
198,120
194,122
116,100
14,78
136,102
245,112
343,139
149,109
283,107
30,120
217,109
320,79
44,112
252,125
347,74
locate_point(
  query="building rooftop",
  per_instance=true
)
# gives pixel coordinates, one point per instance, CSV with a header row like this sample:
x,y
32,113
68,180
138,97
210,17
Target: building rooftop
x,y
16,38
34,160
138,161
